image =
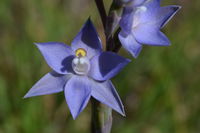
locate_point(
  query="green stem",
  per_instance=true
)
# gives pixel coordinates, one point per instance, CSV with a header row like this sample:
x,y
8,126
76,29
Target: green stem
x,y
101,121
95,120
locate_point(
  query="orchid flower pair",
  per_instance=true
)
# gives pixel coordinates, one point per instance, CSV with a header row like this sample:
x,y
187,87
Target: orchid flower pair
x,y
84,70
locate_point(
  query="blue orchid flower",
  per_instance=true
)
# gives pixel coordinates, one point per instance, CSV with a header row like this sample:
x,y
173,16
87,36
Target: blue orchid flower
x,y
81,71
141,22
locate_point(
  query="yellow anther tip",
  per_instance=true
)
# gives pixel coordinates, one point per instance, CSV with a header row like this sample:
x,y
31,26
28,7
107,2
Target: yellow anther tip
x,y
81,52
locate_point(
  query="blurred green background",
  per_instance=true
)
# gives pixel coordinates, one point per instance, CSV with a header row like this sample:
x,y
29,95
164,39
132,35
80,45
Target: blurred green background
x,y
160,89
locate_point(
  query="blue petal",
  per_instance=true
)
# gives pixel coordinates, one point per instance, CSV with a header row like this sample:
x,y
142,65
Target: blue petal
x,y
50,83
106,94
130,44
57,55
147,12
88,39
134,12
152,4
151,17
166,13
150,34
77,94
137,2
157,14
106,65
126,21
152,13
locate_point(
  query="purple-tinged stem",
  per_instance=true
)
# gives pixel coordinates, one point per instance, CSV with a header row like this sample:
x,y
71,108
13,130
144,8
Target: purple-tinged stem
x,y
101,118
101,121
112,41
95,119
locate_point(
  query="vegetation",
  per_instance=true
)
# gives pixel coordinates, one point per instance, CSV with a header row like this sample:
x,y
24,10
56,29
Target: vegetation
x,y
160,89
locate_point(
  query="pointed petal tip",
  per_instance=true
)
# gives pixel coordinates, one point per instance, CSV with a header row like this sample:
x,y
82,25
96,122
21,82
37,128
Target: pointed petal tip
x,y
37,43
124,115
128,61
164,44
27,95
167,42
74,116
106,94
24,97
135,56
130,44
122,112
171,10
89,22
178,7
136,53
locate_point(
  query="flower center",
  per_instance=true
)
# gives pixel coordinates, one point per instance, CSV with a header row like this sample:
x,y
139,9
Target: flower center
x,y
81,63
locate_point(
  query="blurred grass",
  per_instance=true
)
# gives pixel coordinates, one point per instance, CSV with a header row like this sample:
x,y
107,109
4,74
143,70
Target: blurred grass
x,y
160,89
